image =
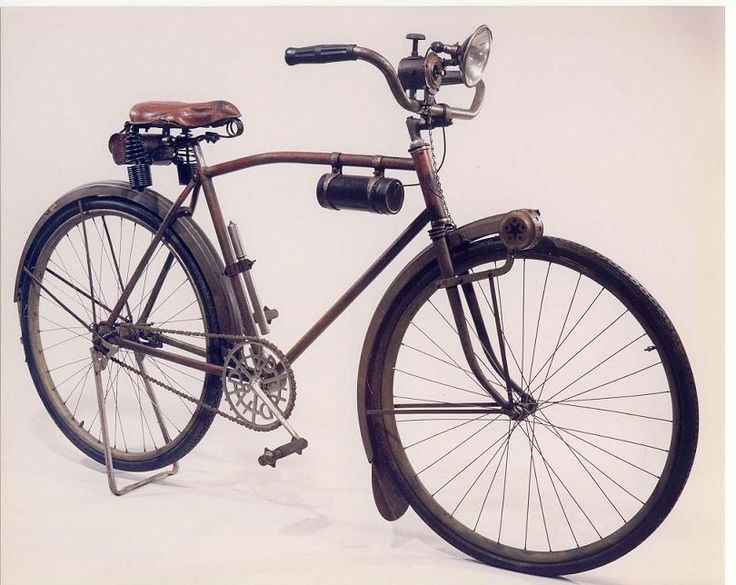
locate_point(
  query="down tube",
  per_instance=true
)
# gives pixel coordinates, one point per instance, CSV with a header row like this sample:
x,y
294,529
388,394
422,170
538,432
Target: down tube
x,y
359,285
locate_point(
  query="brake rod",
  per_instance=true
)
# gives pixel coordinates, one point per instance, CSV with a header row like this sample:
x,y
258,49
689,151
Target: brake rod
x,y
441,408
482,411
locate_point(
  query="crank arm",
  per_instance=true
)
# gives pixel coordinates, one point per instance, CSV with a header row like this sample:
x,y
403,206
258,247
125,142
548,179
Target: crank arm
x,y
297,443
275,411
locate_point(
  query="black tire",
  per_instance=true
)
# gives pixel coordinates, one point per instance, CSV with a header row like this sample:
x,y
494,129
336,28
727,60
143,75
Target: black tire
x,y
396,442
186,422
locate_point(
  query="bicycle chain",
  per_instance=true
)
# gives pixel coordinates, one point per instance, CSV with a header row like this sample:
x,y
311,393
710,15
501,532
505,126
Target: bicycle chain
x,y
183,395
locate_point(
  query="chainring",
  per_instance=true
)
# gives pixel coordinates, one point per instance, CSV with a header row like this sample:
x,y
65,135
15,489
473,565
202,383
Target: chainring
x,y
257,361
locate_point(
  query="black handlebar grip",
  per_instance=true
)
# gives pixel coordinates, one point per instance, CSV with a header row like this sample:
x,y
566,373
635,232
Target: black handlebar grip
x,y
319,54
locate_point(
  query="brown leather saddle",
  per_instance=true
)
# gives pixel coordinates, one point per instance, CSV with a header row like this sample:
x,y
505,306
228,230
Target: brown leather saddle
x,y
185,115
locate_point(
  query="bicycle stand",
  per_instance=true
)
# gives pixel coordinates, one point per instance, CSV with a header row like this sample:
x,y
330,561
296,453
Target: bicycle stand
x,y
97,363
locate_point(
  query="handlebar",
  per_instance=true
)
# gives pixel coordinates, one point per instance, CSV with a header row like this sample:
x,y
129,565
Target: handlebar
x,y
319,54
337,53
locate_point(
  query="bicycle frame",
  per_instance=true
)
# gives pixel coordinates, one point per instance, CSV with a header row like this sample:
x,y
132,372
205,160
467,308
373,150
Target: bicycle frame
x,y
435,213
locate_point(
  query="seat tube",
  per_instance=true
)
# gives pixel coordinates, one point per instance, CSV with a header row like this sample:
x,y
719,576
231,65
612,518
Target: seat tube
x,y
218,222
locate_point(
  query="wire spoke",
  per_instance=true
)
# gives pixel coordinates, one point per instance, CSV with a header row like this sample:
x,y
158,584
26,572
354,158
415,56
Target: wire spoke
x,y
501,449
640,395
441,457
81,379
439,383
580,456
501,438
439,359
469,374
654,475
452,428
162,323
562,342
62,266
629,375
500,314
495,473
539,320
622,412
595,367
562,483
602,436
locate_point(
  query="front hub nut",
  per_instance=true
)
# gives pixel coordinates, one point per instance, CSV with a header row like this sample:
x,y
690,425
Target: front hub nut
x,y
521,229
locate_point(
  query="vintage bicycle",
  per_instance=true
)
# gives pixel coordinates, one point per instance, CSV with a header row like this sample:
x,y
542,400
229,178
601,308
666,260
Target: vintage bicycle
x,y
523,394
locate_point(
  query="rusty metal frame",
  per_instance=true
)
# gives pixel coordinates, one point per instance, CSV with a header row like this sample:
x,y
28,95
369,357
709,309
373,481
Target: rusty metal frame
x,y
435,213
310,158
204,180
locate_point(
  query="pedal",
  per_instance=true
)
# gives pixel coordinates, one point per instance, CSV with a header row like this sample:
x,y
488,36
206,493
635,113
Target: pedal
x,y
270,457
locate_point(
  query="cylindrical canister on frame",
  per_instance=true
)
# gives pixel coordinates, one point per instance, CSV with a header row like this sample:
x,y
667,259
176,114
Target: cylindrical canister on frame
x,y
375,194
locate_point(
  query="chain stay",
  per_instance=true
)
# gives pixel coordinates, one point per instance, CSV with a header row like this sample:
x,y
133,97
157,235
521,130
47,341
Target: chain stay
x,y
183,395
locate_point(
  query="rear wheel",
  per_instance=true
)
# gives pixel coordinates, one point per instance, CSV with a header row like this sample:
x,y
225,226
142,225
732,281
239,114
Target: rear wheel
x,y
599,460
80,260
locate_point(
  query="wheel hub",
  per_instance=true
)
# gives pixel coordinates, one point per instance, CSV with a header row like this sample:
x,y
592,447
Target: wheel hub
x,y
524,408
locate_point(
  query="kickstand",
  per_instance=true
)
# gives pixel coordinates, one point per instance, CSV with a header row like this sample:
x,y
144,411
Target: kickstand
x,y
97,364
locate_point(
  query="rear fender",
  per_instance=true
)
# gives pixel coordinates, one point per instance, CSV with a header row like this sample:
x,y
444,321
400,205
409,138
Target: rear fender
x,y
189,232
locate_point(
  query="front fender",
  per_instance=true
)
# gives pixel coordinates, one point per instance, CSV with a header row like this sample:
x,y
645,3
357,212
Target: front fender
x,y
389,500
462,236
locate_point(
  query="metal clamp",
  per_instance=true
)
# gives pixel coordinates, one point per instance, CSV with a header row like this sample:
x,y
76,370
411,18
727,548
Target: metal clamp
x,y
240,265
335,162
468,278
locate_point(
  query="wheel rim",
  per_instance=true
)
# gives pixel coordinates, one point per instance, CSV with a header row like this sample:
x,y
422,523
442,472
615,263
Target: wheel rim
x,y
580,472
60,345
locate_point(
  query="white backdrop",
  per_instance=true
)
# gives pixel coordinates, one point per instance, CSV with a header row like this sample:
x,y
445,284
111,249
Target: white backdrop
x,y
608,120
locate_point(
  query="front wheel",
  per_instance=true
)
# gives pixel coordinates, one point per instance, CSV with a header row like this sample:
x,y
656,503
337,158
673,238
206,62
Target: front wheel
x,y
605,444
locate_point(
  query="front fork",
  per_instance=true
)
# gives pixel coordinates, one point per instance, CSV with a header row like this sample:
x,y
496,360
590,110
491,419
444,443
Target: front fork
x,y
447,271
442,225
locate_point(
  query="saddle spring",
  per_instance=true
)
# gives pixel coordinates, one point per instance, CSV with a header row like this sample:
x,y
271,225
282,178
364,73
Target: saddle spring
x,y
139,171
186,164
